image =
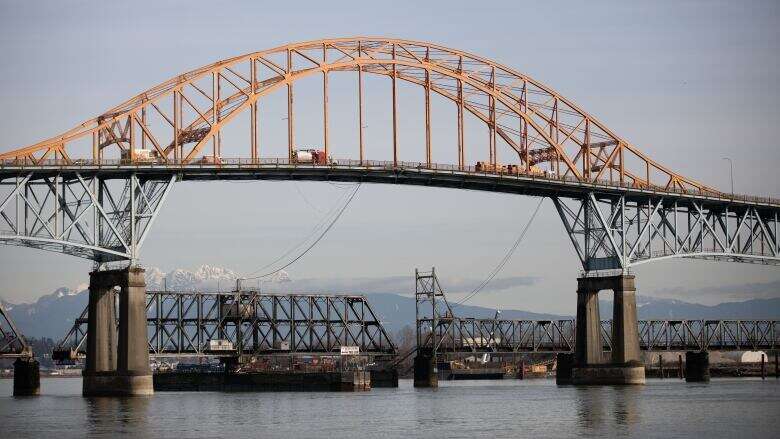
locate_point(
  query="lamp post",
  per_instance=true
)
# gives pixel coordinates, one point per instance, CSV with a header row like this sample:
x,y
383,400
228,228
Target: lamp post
x,y
731,173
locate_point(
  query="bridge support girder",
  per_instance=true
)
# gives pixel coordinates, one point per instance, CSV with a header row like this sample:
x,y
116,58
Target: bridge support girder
x,y
623,365
117,368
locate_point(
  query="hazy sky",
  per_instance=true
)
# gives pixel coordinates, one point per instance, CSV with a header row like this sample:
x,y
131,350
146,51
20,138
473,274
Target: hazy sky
x,y
687,82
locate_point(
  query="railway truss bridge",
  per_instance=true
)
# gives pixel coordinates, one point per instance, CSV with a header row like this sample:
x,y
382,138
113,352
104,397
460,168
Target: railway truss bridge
x,y
95,190
249,323
455,334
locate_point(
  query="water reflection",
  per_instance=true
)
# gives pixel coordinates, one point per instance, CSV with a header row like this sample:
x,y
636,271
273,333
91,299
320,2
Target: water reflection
x,y
626,400
107,415
600,408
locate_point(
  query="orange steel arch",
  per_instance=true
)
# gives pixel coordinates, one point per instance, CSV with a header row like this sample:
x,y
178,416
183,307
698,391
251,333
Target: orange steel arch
x,y
547,131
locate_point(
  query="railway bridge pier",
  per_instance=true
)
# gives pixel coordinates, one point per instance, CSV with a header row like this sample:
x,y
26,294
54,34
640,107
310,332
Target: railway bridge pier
x,y
117,366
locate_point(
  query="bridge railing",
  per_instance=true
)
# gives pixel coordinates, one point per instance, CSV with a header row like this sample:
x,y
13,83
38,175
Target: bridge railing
x,y
246,163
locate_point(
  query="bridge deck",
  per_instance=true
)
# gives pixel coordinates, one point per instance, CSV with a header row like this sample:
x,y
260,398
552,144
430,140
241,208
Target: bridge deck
x,y
408,173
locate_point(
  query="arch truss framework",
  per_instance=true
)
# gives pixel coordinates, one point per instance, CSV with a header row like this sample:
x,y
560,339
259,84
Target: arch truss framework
x,y
94,190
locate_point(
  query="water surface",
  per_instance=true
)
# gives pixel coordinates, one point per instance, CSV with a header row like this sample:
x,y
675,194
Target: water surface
x,y
512,408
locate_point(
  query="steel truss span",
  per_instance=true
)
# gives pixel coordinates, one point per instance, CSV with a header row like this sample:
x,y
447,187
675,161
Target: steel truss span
x,y
12,342
56,196
183,324
464,335
441,331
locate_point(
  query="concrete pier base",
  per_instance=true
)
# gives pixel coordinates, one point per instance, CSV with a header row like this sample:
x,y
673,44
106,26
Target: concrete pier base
x,y
609,375
697,367
113,384
591,365
117,365
27,377
564,368
425,374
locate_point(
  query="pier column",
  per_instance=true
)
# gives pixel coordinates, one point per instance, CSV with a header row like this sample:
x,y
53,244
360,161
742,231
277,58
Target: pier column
x,y
624,365
697,367
27,377
625,330
564,364
588,345
117,369
425,374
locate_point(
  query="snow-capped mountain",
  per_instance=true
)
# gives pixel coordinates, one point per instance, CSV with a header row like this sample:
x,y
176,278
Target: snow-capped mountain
x,y
206,277
53,314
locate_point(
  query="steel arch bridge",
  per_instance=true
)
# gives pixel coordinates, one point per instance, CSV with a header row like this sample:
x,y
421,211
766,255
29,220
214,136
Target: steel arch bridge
x,y
94,190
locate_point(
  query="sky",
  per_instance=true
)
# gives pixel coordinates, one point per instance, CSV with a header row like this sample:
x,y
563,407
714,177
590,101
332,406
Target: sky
x,y
687,82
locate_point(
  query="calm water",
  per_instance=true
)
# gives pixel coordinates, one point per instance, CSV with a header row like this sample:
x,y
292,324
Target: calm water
x,y
533,408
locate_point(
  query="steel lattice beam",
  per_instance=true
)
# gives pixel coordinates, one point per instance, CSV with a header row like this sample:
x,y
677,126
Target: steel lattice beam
x,y
618,232
12,342
183,323
81,213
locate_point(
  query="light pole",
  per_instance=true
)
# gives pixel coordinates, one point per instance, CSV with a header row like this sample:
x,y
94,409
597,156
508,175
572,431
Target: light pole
x,y
731,173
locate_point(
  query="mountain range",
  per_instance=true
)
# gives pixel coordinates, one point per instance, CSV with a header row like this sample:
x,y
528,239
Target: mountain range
x,y
52,315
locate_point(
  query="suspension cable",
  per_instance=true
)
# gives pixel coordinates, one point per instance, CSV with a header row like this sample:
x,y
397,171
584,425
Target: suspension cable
x,y
325,219
504,261
319,238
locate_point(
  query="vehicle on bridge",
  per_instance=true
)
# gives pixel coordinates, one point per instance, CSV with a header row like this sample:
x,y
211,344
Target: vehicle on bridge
x,y
313,156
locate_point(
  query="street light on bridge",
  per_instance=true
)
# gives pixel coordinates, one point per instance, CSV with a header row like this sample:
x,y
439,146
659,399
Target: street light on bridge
x,y
731,173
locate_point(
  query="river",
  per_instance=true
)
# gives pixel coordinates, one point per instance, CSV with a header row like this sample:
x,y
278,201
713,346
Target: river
x,y
511,408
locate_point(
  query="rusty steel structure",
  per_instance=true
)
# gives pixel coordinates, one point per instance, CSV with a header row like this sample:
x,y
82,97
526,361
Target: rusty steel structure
x,y
12,342
253,323
94,190
441,331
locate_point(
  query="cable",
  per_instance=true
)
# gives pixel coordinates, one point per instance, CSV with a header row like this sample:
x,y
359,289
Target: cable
x,y
504,261
323,221
343,208
306,200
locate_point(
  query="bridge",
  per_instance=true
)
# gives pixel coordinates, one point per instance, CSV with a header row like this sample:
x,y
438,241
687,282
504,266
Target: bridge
x,y
442,331
95,190
183,323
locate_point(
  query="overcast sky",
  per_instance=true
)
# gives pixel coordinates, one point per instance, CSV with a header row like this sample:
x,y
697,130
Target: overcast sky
x,y
687,82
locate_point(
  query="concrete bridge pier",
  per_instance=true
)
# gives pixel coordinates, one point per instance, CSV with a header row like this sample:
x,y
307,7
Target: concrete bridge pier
x,y
117,367
564,362
425,373
697,367
27,377
591,365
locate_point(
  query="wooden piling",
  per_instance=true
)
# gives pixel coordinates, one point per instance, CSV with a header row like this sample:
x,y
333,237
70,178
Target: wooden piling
x,y
661,366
